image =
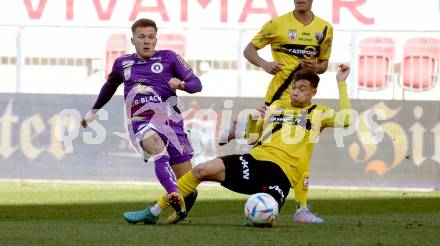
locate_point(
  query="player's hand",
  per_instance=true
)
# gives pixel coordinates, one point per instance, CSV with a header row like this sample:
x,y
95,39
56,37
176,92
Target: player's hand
x,y
262,110
176,83
311,64
89,118
273,67
342,74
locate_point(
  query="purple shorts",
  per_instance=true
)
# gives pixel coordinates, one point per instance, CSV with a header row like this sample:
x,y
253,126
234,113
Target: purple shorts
x,y
174,137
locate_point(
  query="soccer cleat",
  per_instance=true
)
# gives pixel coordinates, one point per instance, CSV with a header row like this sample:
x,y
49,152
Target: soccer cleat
x,y
143,216
305,216
178,204
190,200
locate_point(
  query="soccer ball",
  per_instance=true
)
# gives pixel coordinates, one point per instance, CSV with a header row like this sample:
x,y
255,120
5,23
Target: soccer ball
x,y
261,208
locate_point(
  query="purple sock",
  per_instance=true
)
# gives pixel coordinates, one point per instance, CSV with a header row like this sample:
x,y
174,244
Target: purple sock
x,y
165,174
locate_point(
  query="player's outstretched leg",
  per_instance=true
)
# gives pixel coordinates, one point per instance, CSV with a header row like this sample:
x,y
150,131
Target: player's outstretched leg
x,y
141,217
305,216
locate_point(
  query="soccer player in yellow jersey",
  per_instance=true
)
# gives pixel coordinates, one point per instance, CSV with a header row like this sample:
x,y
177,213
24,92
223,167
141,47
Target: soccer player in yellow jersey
x,y
298,39
283,136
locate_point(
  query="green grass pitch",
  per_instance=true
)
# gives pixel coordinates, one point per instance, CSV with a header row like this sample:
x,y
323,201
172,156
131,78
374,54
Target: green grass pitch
x,y
89,214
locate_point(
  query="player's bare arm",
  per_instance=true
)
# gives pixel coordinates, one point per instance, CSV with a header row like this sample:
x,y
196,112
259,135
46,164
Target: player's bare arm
x,y
251,54
107,91
89,118
342,74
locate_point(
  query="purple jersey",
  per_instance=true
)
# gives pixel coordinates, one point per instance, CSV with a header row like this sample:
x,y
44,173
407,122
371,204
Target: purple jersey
x,y
146,89
152,106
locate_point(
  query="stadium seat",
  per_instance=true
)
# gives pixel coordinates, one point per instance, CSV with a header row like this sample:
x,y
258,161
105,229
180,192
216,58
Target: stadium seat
x,y
420,63
171,41
375,59
116,46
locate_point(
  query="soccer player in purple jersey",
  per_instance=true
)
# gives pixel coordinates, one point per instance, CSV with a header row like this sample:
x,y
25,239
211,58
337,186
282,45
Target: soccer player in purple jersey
x,y
151,78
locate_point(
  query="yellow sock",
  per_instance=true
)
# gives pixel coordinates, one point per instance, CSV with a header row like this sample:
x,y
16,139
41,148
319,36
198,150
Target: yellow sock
x,y
301,199
301,196
187,184
163,202
301,191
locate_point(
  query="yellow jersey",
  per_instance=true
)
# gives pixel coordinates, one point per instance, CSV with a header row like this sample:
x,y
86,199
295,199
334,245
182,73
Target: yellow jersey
x,y
287,134
291,41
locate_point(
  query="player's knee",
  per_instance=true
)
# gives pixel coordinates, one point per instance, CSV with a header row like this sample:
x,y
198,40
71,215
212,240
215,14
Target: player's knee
x,y
201,172
153,144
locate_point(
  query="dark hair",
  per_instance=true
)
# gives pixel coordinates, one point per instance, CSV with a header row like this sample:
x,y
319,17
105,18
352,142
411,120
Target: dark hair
x,y
308,75
143,23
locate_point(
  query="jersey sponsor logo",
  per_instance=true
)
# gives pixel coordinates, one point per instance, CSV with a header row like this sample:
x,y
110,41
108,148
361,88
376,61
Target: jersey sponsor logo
x,y
305,39
277,189
244,163
310,52
297,121
299,50
146,99
141,81
292,34
127,68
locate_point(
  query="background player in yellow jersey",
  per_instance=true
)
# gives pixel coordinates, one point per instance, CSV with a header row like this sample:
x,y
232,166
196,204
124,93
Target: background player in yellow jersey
x,y
286,133
298,39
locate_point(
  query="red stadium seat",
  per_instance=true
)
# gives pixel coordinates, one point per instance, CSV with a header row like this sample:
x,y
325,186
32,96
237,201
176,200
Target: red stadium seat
x,y
116,46
375,60
420,63
171,41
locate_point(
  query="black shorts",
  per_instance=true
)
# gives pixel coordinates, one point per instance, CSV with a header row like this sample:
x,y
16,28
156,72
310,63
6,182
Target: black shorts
x,y
246,175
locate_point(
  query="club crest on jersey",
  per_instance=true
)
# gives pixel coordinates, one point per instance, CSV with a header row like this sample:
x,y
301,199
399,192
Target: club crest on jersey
x,y
292,34
319,36
127,68
157,67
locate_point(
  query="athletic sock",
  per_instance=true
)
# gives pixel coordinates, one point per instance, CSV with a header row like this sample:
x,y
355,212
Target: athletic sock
x,y
187,184
156,210
165,173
